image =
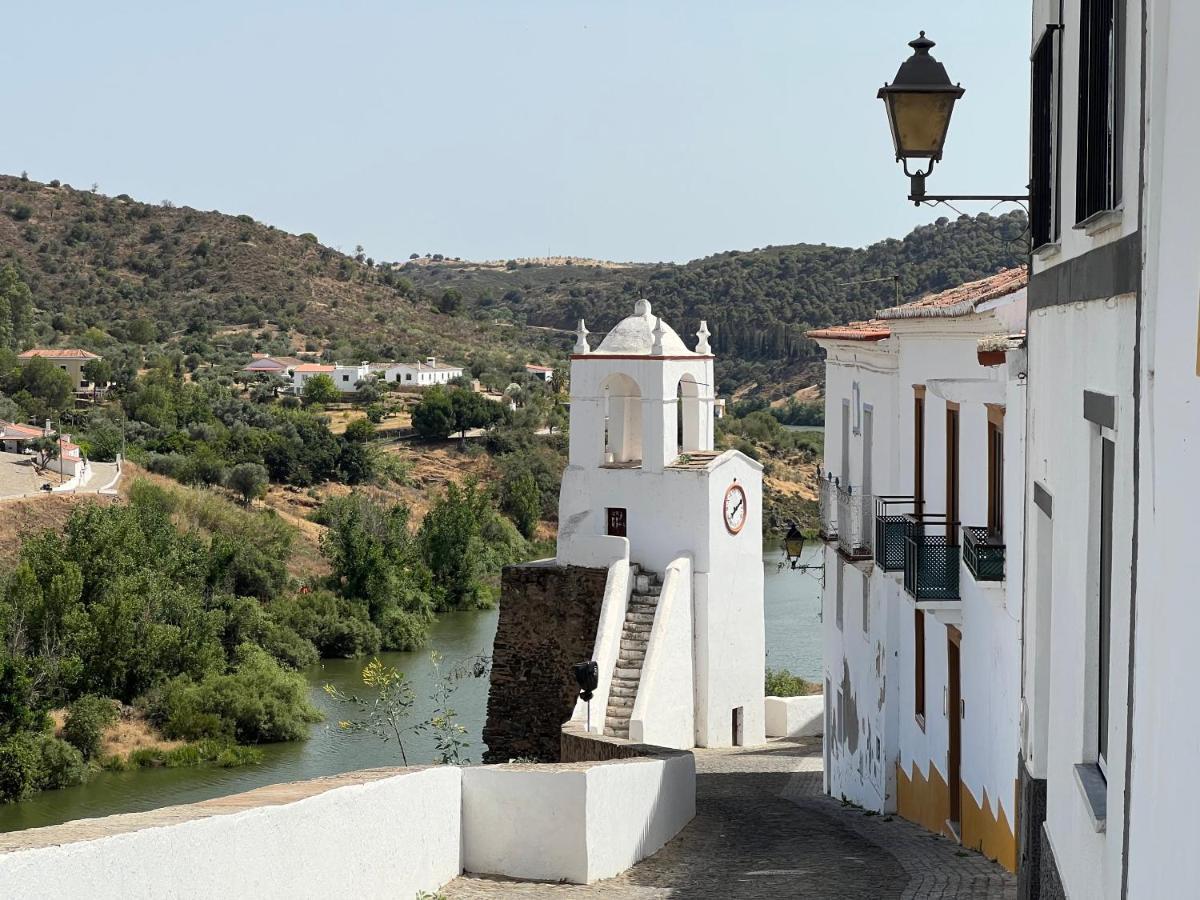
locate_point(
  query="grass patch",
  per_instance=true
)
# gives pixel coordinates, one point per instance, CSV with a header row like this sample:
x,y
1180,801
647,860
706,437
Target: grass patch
x,y
782,683
208,752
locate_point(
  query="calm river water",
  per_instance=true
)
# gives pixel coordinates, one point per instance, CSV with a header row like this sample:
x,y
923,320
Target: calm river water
x,y
793,602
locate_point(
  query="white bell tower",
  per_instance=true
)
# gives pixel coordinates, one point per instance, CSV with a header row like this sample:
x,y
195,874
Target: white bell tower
x,y
645,489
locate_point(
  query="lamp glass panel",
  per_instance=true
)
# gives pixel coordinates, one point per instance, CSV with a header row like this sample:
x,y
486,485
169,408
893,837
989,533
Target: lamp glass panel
x,y
919,122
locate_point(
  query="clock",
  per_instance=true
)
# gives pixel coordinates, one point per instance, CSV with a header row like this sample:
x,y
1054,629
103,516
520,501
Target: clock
x,y
734,510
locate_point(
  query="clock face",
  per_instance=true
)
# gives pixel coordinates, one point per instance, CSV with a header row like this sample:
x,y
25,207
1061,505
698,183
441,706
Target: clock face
x,y
734,509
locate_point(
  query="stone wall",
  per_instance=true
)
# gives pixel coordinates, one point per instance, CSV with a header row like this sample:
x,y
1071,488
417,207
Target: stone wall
x,y
577,745
548,619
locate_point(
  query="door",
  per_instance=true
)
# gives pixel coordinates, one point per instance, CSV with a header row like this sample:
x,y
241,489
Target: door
x,y
954,711
845,473
617,525
952,474
868,431
738,714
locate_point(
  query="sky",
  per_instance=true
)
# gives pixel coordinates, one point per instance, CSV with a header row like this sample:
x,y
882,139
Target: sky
x,y
621,129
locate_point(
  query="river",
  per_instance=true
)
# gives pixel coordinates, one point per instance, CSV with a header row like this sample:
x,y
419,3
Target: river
x,y
792,606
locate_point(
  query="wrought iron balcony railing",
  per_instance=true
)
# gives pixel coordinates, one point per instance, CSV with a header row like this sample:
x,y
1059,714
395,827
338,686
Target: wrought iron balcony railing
x,y
853,522
983,552
931,555
888,523
827,495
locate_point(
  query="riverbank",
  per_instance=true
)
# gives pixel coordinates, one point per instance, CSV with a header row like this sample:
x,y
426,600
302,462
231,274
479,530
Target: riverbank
x,y
792,609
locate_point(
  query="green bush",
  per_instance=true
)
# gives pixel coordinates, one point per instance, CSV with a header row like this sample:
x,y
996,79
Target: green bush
x,y
330,624
62,765
782,683
257,702
401,629
20,767
86,720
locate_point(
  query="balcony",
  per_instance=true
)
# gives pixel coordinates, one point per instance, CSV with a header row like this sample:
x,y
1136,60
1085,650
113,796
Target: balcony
x,y
853,518
888,527
931,555
827,496
983,552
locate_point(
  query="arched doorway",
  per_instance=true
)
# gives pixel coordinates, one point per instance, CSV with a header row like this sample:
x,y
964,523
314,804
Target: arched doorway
x,y
622,419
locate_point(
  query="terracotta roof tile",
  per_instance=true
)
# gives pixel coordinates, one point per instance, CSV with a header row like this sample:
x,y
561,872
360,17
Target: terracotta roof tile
x,y
870,330
313,367
59,353
963,299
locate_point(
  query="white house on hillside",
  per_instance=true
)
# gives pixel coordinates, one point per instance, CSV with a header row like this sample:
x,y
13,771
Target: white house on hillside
x,y
421,374
922,601
680,644
543,372
70,359
345,378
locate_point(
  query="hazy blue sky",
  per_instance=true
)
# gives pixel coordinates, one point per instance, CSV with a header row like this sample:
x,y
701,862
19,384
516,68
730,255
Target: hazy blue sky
x,y
626,130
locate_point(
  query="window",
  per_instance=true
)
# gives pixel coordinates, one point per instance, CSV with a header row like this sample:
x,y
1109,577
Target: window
x,y
345,378
841,581
408,376
846,443
866,604
918,447
919,664
1107,449
1043,152
995,481
1098,175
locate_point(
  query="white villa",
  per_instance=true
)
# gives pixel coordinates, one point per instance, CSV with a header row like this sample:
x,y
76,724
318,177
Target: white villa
x,y
419,374
921,608
543,372
679,528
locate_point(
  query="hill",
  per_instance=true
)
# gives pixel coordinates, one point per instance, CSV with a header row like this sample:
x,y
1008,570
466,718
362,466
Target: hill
x,y
107,271
128,278
758,303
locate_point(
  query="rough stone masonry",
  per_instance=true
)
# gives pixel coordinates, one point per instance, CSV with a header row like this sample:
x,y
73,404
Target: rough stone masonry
x,y
548,620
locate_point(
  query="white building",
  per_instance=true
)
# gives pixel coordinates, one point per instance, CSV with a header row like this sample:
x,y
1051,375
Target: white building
x,y
421,374
345,378
680,644
543,372
1111,729
921,610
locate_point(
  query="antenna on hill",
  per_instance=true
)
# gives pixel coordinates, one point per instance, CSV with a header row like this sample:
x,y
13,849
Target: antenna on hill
x,y
894,279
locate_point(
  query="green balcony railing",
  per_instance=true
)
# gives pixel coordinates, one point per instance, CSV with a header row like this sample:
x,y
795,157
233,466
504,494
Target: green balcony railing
x,y
889,530
983,552
931,555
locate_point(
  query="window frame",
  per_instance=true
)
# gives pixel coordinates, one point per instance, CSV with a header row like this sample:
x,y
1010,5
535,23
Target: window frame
x,y
919,667
1099,110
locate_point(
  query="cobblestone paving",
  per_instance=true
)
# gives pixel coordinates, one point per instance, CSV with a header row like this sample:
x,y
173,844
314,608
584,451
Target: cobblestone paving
x,y
763,829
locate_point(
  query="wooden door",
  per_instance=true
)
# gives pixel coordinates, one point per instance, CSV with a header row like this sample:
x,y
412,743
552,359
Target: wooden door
x,y
952,474
617,524
954,717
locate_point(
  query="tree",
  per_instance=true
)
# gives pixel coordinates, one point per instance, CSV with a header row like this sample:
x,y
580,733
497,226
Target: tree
x,y
360,431
46,448
16,305
471,410
521,499
320,388
451,301
433,417
99,372
43,388
249,480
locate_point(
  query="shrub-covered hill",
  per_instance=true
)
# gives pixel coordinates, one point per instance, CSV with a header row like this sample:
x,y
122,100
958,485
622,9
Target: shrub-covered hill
x,y
758,303
159,274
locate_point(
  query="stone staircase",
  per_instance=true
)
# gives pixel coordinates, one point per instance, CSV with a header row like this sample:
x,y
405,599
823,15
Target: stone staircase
x,y
635,635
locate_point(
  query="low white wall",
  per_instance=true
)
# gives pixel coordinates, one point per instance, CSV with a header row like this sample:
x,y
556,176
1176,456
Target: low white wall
x,y
525,821
607,645
386,833
389,837
664,710
795,716
634,808
580,824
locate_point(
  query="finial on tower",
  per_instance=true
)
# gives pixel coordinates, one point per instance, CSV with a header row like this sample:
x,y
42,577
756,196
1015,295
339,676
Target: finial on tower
x,y
581,344
657,348
642,307
702,334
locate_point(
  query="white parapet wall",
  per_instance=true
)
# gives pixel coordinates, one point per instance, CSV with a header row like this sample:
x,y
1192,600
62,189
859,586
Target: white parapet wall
x,y
795,716
604,551
378,833
660,716
368,834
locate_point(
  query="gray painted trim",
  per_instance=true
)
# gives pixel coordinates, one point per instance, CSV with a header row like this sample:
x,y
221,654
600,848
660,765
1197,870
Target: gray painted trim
x,y
1044,499
1106,271
1094,789
1100,409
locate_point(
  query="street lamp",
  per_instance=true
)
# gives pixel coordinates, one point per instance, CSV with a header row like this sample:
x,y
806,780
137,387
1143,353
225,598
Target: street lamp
x,y
793,551
919,103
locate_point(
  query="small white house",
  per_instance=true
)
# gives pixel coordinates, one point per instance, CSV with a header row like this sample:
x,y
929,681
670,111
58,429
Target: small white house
x,y
345,378
543,372
421,374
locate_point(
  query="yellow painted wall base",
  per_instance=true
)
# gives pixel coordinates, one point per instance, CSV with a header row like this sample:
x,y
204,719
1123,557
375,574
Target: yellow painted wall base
x,y
926,801
986,832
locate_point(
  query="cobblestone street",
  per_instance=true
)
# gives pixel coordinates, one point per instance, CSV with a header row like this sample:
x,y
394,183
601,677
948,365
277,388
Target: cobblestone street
x,y
764,830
